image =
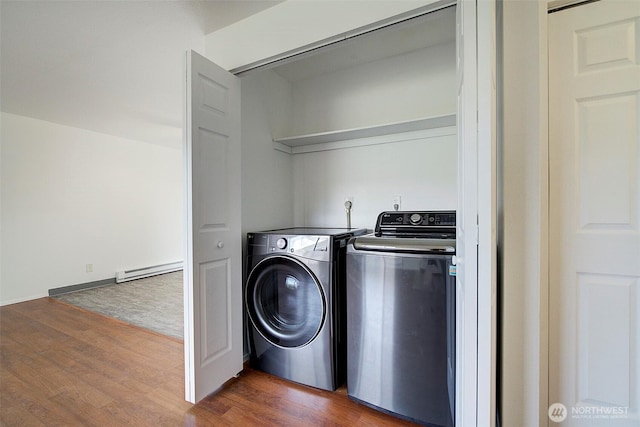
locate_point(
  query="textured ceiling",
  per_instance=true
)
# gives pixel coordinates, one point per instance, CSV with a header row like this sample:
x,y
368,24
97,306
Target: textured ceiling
x,y
114,67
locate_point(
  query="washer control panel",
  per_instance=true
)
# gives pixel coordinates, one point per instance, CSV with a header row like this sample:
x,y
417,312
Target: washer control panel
x,y
416,224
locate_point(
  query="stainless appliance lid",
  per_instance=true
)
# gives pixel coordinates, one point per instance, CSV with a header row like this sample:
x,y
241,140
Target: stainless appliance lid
x,y
403,244
317,231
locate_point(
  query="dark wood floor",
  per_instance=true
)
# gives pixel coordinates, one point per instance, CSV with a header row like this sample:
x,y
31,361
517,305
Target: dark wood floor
x,y
61,365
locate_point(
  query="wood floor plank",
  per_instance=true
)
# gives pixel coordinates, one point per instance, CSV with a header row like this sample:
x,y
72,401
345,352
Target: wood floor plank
x,y
19,416
65,366
199,416
304,406
48,381
314,400
87,412
12,392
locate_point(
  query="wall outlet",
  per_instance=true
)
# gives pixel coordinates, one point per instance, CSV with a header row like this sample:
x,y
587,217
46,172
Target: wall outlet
x,y
89,268
397,203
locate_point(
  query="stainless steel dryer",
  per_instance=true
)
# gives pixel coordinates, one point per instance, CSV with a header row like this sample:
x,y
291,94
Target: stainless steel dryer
x,y
295,299
401,317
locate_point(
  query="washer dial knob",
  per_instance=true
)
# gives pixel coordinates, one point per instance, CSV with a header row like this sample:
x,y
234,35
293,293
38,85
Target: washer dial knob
x,y
415,218
281,243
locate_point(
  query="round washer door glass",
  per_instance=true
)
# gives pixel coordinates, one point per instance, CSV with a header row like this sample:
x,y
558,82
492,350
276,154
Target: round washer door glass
x,y
285,302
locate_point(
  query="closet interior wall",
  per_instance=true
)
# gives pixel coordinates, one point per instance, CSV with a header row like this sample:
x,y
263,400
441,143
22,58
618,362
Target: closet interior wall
x,y
350,87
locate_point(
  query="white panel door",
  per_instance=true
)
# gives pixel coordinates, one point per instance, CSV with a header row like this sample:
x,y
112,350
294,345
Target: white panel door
x,y
213,268
594,160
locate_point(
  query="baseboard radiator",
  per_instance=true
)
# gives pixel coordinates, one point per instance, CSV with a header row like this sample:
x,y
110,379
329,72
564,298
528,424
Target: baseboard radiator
x,y
139,273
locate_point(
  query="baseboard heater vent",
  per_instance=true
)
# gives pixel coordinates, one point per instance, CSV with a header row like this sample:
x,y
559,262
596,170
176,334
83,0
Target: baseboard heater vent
x,y
139,273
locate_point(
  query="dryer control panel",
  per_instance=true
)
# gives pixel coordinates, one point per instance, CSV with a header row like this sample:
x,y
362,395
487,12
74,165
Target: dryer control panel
x,y
314,247
318,244
297,244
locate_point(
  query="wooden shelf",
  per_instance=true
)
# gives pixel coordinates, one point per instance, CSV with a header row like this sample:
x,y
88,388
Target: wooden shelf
x,y
327,140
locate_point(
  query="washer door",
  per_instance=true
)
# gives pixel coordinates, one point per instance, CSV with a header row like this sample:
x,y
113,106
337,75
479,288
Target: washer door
x,y
285,301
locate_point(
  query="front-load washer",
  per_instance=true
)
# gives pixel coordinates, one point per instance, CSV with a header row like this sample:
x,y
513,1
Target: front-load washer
x,y
295,300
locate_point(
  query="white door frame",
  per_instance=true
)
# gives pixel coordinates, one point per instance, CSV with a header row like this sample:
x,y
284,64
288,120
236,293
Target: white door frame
x,y
487,211
477,197
524,242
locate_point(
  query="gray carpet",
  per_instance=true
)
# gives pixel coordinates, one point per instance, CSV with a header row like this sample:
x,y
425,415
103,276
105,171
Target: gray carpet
x,y
154,303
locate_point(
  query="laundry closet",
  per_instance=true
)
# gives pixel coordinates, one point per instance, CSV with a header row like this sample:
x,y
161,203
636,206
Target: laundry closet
x,y
370,119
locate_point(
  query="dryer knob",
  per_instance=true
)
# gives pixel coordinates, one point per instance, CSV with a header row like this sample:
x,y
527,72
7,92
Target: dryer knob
x,y
415,219
281,243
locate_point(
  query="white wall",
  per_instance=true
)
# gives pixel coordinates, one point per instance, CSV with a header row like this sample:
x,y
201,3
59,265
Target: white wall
x,y
281,190
411,86
421,171
525,217
267,181
72,197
